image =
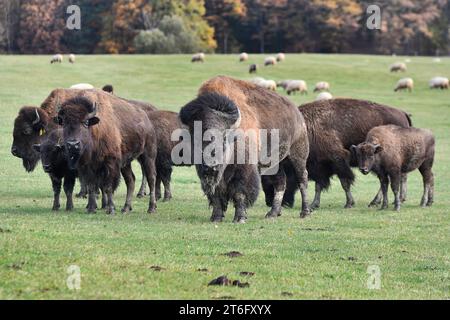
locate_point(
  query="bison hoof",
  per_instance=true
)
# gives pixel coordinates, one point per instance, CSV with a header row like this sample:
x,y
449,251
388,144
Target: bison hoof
x,y
167,198
55,208
273,214
151,210
126,209
373,204
110,211
216,219
305,213
240,220
91,211
315,205
69,208
348,206
141,195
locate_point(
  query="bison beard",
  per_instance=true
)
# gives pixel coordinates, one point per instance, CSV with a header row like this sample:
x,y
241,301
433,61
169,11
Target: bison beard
x,y
333,127
217,108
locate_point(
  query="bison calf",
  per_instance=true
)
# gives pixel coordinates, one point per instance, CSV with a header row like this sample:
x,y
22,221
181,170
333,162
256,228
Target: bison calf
x,y
391,152
55,164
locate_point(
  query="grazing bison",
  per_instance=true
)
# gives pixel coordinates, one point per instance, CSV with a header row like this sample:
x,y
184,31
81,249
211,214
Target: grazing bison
x,y
333,127
391,152
102,135
225,104
54,163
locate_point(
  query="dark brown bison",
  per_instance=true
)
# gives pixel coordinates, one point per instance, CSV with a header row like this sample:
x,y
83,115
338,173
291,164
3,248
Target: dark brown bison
x,y
391,152
54,163
225,106
333,127
103,134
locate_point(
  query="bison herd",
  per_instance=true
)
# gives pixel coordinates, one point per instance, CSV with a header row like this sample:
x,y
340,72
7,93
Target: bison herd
x,y
93,135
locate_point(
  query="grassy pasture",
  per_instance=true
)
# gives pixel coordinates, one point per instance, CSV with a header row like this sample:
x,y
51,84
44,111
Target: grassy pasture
x,y
323,257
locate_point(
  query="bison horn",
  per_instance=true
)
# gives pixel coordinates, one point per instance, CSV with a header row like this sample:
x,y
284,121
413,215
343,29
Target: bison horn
x,y
38,118
238,121
94,111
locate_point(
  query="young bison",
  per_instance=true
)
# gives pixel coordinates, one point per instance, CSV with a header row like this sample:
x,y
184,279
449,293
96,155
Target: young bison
x,y
225,104
54,163
392,151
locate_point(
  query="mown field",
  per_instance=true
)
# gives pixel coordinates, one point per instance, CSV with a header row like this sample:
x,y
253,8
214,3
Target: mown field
x,y
323,257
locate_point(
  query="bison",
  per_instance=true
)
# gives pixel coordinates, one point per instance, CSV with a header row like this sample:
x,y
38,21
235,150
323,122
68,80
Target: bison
x,y
102,135
54,163
333,127
391,152
225,105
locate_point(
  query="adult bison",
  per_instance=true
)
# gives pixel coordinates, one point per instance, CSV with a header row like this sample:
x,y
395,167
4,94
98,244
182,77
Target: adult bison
x,y
333,127
225,105
103,134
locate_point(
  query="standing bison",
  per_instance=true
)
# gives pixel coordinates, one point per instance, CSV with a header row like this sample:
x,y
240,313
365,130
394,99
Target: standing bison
x,y
225,105
102,135
333,127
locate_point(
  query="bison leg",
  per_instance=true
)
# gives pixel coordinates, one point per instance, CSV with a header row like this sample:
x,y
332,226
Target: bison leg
x,y
166,177
384,181
218,208
396,179
404,187
158,187
240,208
377,200
56,184
92,200
130,180
110,207
279,185
83,190
143,189
69,183
428,185
346,185
298,160
268,190
148,163
316,201
104,199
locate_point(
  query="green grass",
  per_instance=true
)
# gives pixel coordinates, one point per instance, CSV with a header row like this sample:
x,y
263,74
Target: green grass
x,y
323,257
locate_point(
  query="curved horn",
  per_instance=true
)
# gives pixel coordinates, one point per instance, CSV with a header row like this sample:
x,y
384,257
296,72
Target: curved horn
x,y
238,121
38,118
93,113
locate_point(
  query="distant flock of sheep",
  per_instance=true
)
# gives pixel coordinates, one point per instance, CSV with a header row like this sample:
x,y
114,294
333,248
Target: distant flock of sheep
x,y
408,83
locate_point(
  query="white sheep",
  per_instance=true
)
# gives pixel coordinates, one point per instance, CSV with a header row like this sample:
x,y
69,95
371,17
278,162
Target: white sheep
x,y
243,57
398,66
72,58
82,86
324,96
198,57
405,84
281,57
268,84
270,61
322,86
439,83
57,58
283,84
297,85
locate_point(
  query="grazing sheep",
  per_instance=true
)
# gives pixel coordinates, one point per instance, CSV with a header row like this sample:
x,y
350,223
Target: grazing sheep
x,y
253,68
57,58
405,84
297,85
283,84
324,96
267,84
439,83
243,57
82,86
322,86
270,61
198,57
72,58
391,152
281,57
398,66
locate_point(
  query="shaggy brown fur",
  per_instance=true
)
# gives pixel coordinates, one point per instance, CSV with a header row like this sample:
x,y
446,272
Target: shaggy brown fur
x,y
391,152
103,144
333,126
220,102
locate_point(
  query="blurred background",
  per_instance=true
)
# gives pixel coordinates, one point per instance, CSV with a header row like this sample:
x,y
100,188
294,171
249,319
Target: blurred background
x,y
419,27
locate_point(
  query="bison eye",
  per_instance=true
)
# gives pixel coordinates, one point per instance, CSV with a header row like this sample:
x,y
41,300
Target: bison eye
x,y
86,124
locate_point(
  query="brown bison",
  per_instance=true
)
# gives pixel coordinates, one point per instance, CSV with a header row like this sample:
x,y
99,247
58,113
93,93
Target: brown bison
x,y
333,127
225,105
103,134
391,152
54,163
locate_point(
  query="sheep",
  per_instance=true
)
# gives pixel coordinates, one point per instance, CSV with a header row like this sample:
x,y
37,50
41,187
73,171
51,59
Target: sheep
x,y
283,84
243,57
322,86
253,68
82,86
405,84
72,58
281,57
439,83
398,66
391,152
198,57
324,96
268,84
57,58
270,61
297,85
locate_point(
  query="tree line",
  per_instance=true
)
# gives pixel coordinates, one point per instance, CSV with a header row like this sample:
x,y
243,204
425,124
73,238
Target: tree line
x,y
226,26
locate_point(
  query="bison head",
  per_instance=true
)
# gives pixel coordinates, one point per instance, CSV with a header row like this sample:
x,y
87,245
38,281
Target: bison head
x,y
52,151
29,127
214,115
77,116
365,153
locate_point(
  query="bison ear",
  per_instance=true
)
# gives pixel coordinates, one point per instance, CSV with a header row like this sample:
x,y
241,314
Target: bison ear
x,y
353,149
37,147
93,121
378,148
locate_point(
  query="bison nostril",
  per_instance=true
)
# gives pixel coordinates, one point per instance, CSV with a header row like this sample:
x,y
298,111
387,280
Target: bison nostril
x,y
14,151
73,144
